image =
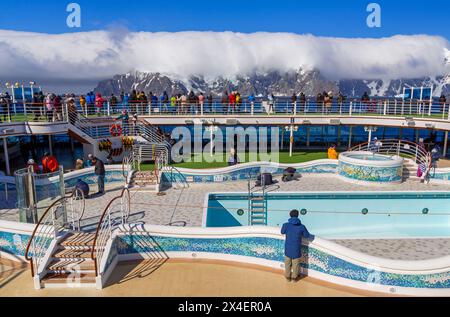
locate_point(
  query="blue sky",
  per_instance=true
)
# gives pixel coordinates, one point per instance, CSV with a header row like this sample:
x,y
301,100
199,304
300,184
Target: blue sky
x,y
346,18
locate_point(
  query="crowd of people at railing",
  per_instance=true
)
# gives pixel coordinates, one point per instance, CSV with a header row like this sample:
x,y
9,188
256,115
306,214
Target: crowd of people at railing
x,y
51,107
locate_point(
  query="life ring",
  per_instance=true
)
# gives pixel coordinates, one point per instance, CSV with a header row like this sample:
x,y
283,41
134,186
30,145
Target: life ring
x,y
115,130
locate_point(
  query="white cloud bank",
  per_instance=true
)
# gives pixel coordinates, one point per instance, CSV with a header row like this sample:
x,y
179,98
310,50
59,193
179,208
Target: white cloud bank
x,y
101,54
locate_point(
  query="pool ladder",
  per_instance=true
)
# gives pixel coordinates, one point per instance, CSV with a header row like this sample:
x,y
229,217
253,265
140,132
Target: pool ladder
x,y
257,201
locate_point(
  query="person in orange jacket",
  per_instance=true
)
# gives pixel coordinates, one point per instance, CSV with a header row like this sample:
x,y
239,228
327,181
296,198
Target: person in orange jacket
x,y
332,153
49,163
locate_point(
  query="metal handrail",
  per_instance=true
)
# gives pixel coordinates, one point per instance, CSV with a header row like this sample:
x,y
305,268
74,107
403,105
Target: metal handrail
x,y
29,111
388,145
47,231
104,228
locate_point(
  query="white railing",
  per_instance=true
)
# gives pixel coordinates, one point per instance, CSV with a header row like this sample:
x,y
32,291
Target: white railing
x,y
396,147
66,210
106,225
19,112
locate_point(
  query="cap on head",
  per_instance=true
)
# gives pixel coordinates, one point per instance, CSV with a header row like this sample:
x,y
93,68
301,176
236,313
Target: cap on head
x,y
46,154
30,161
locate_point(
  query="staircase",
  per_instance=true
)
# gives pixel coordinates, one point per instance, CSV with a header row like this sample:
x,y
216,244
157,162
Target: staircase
x,y
71,264
61,255
146,181
410,170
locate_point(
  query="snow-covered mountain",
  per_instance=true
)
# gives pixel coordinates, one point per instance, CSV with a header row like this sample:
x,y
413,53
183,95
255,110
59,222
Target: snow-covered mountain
x,y
281,84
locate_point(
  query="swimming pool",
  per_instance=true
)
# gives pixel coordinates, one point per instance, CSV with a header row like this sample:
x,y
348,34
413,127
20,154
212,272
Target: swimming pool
x,y
340,215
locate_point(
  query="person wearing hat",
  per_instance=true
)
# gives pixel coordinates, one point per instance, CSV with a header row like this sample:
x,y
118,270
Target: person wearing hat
x,y
89,160
49,163
33,166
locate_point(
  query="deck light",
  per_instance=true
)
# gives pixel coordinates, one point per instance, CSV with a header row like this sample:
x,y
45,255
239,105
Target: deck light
x,y
240,212
425,211
365,211
303,211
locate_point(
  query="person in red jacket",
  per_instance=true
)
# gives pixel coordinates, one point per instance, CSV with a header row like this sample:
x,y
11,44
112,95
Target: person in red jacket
x,y
232,102
99,101
49,163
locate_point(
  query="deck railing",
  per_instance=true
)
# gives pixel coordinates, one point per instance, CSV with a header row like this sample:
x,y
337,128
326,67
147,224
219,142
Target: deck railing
x,y
39,112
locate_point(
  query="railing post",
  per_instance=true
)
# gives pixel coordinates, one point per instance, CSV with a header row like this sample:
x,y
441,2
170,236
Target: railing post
x,y
252,108
24,107
417,150
385,106
108,108
350,109
295,108
201,109
9,112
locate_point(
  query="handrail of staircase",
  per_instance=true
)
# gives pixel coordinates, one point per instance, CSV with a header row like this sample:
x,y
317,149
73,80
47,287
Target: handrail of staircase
x,y
418,152
47,230
105,226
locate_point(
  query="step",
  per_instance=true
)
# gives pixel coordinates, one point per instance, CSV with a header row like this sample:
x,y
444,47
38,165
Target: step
x,y
64,253
78,239
258,209
71,265
259,221
258,217
68,278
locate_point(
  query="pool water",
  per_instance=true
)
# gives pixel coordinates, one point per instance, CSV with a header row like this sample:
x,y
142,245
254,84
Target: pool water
x,y
344,215
369,157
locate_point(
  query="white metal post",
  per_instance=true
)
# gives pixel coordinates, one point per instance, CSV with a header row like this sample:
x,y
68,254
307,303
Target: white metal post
x,y
211,135
445,144
5,150
291,140
350,137
370,134
50,145
24,101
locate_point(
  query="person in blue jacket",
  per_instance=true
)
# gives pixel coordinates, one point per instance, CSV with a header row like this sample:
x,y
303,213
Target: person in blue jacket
x,y
251,100
294,231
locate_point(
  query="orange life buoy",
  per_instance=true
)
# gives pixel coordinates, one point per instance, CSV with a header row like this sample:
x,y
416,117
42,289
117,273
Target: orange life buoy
x,y
115,130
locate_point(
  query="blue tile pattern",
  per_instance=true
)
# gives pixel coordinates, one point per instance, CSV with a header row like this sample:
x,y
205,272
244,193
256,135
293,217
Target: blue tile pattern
x,y
243,173
13,243
272,249
370,173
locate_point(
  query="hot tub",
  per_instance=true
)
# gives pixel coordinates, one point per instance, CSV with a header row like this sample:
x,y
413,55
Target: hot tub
x,y
364,166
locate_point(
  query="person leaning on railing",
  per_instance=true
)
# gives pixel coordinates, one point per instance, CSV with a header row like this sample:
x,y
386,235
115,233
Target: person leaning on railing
x,y
295,231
